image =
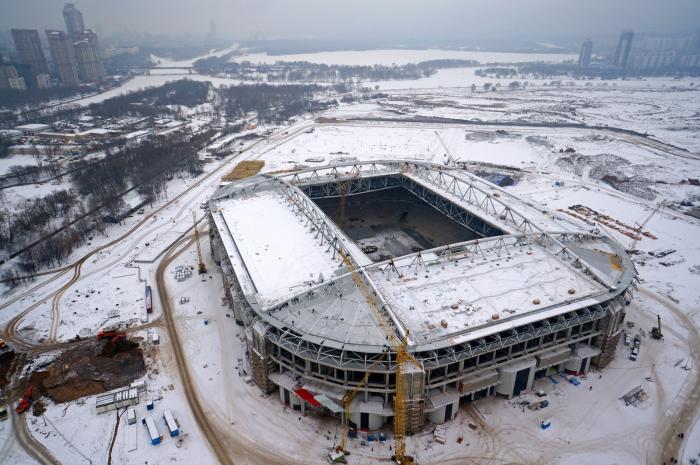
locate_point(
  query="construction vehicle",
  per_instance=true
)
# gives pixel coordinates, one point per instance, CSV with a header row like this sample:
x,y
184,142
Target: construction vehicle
x,y
202,268
337,454
656,331
114,335
400,347
25,401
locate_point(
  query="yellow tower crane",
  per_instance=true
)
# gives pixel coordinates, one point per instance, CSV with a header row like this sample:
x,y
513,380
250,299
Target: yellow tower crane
x,y
346,401
403,357
202,268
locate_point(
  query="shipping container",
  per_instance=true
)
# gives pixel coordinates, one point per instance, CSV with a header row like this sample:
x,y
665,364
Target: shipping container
x,y
130,416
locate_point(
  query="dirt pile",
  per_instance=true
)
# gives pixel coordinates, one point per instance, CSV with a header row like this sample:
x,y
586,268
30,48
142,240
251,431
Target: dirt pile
x,y
91,368
7,365
614,170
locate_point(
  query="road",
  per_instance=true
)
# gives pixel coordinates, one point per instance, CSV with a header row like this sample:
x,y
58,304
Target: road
x,y
25,439
683,412
10,332
200,416
680,416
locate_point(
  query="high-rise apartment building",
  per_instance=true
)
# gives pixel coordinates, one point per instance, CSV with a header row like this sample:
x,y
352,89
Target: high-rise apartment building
x,y
30,52
87,53
623,50
584,57
63,57
74,20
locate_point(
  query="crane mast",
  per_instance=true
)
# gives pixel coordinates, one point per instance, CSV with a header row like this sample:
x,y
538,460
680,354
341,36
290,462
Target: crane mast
x,y
202,268
403,357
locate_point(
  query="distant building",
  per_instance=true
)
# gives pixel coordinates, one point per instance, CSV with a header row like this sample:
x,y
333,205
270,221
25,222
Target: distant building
x,y
30,130
18,83
30,52
43,81
7,72
11,135
63,57
212,30
584,57
74,20
623,50
87,53
14,76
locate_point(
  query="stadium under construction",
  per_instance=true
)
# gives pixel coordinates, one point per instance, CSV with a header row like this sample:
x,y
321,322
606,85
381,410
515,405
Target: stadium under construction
x,y
362,284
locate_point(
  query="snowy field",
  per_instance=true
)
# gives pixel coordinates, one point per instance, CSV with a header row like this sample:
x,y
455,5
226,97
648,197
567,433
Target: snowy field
x,y
401,57
12,160
589,422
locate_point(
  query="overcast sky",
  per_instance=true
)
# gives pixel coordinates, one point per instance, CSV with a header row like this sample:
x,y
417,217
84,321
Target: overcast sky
x,y
367,19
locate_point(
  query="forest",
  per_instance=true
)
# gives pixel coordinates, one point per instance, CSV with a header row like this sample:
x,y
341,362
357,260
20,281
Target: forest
x,y
45,230
317,72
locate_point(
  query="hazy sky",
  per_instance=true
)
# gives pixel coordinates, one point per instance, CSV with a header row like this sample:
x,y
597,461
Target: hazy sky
x,y
367,19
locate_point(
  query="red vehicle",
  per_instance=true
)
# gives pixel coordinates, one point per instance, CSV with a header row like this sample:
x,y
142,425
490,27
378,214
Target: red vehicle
x,y
25,401
116,336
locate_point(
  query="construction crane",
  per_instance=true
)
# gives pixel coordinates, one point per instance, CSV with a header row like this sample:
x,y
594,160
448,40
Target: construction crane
x,y
403,357
339,452
450,159
640,227
201,267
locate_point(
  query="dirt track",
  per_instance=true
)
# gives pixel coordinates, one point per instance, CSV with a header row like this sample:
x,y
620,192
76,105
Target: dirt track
x,y
34,448
182,365
681,415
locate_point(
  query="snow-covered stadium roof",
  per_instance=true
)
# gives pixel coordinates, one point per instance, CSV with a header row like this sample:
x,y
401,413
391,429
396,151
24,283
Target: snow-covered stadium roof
x,y
286,254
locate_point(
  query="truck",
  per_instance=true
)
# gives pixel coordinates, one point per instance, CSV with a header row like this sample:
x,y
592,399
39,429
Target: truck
x,y
171,423
152,430
149,300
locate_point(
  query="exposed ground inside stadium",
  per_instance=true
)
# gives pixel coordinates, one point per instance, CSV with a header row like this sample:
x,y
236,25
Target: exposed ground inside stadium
x,y
393,221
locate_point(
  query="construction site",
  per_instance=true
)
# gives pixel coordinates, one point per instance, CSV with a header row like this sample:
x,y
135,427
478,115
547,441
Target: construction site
x,y
399,290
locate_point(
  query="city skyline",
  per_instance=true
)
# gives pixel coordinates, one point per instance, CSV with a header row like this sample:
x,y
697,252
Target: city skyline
x,y
382,20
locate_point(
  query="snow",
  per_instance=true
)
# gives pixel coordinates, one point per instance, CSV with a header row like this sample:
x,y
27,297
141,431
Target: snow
x,y
403,56
481,290
171,63
588,425
276,263
12,160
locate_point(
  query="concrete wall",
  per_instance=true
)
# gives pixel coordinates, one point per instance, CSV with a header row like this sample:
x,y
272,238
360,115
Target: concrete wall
x,y
375,421
438,416
509,376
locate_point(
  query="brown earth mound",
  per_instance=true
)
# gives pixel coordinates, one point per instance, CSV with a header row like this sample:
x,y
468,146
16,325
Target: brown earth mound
x,y
90,369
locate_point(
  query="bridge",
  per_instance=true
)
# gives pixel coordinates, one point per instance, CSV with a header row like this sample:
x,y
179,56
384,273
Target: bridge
x,y
147,71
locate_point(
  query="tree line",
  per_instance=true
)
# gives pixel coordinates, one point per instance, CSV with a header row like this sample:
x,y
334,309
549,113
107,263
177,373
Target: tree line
x,y
319,72
272,103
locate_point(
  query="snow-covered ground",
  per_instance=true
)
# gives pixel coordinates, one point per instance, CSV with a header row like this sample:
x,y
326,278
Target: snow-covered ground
x,y
13,160
404,56
171,63
589,422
